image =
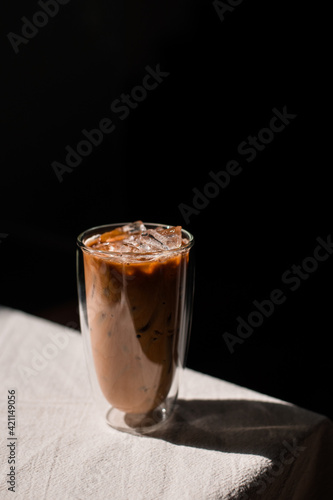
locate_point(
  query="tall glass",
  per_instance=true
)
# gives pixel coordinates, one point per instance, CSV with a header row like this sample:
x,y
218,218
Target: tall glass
x,y
135,314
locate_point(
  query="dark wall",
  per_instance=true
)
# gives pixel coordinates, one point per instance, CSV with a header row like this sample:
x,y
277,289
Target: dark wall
x,y
223,72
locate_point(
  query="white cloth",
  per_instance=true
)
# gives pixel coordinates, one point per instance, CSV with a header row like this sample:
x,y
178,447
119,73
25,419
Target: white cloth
x,y
226,442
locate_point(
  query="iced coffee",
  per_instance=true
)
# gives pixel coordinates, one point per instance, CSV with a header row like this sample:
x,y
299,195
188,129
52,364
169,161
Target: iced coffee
x,y
135,281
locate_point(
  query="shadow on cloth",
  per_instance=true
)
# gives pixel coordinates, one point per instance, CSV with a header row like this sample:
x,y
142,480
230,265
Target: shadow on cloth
x,y
237,426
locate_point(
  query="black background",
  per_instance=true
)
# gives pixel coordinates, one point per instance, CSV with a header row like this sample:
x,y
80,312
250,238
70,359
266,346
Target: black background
x,y
225,78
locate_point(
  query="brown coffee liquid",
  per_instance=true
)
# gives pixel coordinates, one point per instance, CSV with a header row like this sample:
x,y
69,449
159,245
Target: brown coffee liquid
x,y
134,314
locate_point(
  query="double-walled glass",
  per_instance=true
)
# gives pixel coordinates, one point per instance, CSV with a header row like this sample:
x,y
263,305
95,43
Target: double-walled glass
x,y
135,314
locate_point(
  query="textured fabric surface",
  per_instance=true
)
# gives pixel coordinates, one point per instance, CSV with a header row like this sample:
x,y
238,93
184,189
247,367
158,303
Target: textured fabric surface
x,y
223,442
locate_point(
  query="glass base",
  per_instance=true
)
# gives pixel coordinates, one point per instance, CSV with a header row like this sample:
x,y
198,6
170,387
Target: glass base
x,y
140,423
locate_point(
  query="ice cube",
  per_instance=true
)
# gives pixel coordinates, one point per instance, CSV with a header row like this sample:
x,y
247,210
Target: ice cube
x,y
151,241
119,233
135,238
156,240
143,243
170,238
134,227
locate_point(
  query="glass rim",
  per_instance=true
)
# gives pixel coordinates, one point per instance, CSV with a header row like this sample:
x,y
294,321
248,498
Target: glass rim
x,y
81,244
